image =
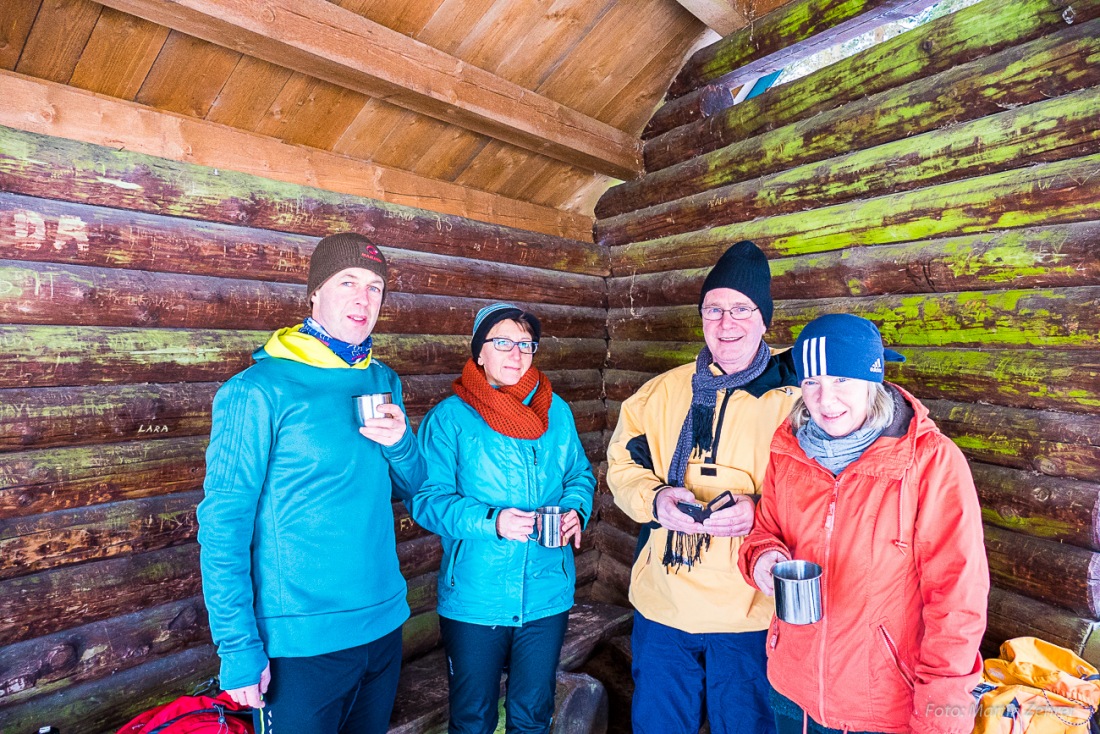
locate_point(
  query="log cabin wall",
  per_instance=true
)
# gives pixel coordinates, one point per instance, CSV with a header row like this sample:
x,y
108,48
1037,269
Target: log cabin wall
x,y
130,287
944,184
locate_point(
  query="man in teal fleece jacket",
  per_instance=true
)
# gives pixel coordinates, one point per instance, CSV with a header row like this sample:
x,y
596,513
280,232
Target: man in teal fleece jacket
x,y
299,562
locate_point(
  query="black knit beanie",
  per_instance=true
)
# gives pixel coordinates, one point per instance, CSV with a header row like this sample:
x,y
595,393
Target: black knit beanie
x,y
339,251
744,268
492,315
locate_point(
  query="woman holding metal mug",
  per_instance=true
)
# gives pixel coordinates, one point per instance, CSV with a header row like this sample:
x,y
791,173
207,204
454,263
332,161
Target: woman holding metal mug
x,y
863,484
496,452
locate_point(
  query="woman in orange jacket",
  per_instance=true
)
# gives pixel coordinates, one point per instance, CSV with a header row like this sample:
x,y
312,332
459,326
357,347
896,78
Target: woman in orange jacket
x,y
861,482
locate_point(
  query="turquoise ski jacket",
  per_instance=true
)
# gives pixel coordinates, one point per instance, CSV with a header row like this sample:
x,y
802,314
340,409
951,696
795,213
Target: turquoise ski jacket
x,y
473,472
298,551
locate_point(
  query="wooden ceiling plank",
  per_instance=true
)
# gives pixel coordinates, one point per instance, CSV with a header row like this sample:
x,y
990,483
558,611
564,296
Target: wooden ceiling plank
x,y
310,112
722,16
365,136
450,154
324,40
118,69
452,23
187,76
47,108
57,38
15,26
248,93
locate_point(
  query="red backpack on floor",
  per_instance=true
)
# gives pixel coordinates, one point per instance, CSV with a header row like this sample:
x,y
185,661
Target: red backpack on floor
x,y
194,715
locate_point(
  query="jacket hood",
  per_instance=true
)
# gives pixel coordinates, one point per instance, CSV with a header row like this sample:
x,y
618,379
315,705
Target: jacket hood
x,y
888,457
290,343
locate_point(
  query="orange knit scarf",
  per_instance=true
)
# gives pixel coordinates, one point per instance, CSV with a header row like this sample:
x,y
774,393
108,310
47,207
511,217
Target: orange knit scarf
x,y
503,408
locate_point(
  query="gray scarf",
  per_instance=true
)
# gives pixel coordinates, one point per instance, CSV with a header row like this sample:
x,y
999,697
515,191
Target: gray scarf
x,y
697,436
835,453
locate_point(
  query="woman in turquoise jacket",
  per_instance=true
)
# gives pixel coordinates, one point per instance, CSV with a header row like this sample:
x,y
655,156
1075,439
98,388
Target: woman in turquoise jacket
x,y
500,448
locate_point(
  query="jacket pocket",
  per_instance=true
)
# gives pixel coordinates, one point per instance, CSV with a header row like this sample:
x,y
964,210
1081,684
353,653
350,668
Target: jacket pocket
x,y
453,562
773,635
893,653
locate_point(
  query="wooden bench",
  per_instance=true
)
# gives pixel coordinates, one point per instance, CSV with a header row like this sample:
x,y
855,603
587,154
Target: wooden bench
x,y
421,706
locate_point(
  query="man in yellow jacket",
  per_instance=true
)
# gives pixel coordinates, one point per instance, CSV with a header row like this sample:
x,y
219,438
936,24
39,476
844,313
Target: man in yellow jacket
x,y
687,436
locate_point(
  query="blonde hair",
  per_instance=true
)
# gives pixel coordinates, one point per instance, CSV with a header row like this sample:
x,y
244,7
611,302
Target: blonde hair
x,y
880,412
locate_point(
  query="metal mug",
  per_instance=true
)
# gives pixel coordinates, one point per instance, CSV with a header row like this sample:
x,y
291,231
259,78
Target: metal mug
x,y
547,532
797,591
366,406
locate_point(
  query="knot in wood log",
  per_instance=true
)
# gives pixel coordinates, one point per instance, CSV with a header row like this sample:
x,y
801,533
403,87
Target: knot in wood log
x,y
59,659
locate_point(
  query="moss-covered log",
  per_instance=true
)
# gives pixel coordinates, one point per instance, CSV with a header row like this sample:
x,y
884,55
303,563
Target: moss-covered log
x,y
52,168
1012,615
1056,573
945,43
1050,130
41,666
69,355
1062,255
57,599
1045,194
41,230
1065,318
102,705
1040,70
1063,510
49,293
1055,444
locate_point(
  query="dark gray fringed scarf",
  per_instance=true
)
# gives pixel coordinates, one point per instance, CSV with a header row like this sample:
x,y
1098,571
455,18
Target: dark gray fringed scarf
x,y
697,436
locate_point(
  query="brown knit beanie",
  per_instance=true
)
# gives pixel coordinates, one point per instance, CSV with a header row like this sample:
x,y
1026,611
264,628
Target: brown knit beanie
x,y
339,251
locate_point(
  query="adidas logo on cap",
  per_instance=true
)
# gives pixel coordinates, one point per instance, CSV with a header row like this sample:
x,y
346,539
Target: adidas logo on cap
x,y
877,366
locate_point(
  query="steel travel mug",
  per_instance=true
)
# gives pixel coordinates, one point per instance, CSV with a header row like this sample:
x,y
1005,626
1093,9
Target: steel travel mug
x,y
797,591
547,532
366,406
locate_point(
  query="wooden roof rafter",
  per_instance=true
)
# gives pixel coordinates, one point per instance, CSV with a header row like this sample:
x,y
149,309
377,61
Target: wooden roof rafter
x,y
323,40
721,16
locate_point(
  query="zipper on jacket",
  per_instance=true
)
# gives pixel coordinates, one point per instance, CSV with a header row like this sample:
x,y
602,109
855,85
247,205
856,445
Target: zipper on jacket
x,y
718,429
451,565
535,453
830,520
895,655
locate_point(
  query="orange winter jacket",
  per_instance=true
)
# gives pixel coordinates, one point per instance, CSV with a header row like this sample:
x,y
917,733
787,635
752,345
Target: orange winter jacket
x,y
904,586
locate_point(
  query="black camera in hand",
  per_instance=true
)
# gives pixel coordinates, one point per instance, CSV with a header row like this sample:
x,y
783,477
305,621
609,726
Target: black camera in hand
x,y
700,512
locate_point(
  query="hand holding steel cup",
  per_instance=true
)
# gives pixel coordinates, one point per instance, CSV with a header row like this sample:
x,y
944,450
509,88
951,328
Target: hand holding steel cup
x,y
548,527
380,420
797,592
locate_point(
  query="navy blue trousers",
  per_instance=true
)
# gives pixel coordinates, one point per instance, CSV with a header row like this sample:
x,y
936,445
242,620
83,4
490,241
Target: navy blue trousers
x,y
478,654
345,692
681,677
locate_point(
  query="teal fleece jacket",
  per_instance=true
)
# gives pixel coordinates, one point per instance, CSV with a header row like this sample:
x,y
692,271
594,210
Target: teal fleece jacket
x,y
473,473
298,551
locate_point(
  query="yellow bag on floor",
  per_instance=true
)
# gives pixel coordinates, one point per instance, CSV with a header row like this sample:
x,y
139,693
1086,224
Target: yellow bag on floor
x,y
1038,688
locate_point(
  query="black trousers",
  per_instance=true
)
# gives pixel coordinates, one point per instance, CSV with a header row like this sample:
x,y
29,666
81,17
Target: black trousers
x,y
345,692
478,654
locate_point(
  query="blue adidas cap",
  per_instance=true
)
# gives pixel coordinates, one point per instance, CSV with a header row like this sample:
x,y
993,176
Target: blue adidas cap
x,y
842,345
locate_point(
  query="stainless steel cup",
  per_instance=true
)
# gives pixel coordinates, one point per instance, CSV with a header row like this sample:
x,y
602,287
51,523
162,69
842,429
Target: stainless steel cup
x,y
547,532
797,591
366,406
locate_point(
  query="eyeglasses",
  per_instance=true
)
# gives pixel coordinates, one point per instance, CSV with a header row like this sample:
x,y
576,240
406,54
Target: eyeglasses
x,y
505,345
737,313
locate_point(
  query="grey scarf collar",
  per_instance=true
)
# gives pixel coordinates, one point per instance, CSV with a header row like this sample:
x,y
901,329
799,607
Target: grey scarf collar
x,y
835,453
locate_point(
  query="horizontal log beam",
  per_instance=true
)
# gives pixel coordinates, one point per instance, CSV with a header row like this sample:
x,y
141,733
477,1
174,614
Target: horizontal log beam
x,y
1065,318
57,599
1045,194
41,230
419,635
1062,510
1062,255
614,582
49,480
621,384
1050,130
721,16
945,43
1013,615
45,356
610,513
86,173
93,651
48,293
1021,75
1056,573
325,41
780,29
1054,444
105,704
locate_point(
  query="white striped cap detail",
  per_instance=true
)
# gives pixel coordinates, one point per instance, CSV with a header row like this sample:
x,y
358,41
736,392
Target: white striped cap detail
x,y
814,361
